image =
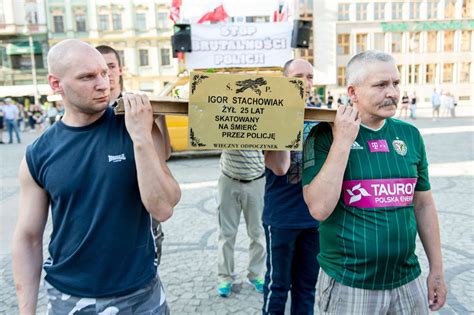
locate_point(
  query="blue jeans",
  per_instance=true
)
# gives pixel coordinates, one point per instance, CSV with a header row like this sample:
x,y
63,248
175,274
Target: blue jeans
x,y
12,125
291,265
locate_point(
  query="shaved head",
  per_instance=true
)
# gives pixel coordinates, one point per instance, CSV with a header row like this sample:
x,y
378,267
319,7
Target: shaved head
x,y
295,63
67,54
300,68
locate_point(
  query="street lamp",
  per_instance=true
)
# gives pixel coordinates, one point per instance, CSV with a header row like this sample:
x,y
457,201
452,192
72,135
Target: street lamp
x,y
27,32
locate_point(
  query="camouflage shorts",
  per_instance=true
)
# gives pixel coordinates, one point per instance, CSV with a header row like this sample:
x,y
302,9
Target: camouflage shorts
x,y
147,300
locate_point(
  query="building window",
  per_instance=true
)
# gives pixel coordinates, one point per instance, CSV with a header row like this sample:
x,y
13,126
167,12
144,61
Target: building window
x,y
430,71
103,22
143,57
414,44
379,11
361,43
396,42
305,8
58,24
343,44
415,10
448,40
165,56
447,73
432,41
466,40
140,21
361,11
413,76
116,21
162,20
2,18
449,9
343,11
341,76
80,23
432,9
397,10
379,41
465,72
467,8
400,71
121,57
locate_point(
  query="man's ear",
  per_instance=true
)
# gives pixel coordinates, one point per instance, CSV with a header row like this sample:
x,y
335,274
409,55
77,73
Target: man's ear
x,y
352,93
54,84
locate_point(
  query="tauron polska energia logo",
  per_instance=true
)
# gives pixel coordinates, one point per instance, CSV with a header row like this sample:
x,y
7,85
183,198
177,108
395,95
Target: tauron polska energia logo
x,y
360,192
378,193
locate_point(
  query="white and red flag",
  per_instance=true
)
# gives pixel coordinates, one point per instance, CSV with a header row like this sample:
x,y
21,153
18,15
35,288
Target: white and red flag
x,y
282,12
174,10
217,15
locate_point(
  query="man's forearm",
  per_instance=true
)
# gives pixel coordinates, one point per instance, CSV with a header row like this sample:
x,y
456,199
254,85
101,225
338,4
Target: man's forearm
x,y
159,191
278,161
428,230
27,260
323,193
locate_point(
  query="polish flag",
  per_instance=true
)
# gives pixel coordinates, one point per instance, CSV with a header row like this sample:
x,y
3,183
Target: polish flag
x,y
174,10
217,15
282,13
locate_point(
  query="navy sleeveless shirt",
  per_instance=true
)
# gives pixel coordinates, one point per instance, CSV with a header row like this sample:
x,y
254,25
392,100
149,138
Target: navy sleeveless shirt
x,y
101,243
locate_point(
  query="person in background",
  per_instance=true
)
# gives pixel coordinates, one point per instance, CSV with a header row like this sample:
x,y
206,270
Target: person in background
x,y
2,102
368,228
339,100
413,106
311,102
291,233
114,64
241,188
318,101
52,113
435,103
330,100
404,106
455,103
447,104
10,117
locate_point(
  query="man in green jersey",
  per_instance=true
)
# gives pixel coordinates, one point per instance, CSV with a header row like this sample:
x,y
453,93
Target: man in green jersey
x,y
373,173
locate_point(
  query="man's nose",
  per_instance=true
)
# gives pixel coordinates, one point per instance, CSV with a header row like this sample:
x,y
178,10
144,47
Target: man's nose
x,y
103,82
392,90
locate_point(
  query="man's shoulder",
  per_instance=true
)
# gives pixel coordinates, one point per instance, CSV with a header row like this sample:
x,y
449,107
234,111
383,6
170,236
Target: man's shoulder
x,y
402,125
44,140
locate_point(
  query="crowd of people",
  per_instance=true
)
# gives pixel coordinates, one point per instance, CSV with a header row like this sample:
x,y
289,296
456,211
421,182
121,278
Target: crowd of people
x,y
326,225
15,117
444,104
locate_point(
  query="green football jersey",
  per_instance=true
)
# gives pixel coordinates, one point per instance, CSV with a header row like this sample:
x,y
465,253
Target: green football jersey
x,y
369,240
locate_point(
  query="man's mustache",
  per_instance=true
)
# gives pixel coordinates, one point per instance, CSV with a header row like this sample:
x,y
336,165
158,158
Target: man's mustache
x,y
389,102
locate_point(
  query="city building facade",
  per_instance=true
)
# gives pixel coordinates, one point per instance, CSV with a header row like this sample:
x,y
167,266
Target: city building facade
x,y
23,47
139,30
431,40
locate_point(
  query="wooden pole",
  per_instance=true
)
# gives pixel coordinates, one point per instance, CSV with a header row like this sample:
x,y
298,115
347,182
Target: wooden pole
x,y
174,106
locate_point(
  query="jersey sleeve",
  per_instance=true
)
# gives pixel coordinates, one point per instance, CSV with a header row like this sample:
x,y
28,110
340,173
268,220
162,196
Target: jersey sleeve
x,y
423,182
315,151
